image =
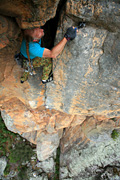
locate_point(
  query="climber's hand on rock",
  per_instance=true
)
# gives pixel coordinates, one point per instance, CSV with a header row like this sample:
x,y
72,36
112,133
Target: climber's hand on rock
x,y
71,33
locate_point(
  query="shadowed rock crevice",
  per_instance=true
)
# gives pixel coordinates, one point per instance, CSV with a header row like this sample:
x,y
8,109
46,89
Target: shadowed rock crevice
x,y
51,26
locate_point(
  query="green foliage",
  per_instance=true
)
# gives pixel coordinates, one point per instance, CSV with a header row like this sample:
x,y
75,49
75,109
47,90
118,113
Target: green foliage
x,y
23,173
115,134
7,170
6,138
3,151
57,164
21,153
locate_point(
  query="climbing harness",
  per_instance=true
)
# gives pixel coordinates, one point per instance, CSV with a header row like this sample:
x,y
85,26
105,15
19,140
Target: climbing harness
x,y
24,63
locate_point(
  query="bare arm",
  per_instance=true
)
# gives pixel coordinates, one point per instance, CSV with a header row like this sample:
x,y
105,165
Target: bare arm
x,y
56,50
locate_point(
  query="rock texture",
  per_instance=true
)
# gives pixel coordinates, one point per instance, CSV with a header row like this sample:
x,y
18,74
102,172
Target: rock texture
x,y
29,13
87,73
8,30
90,161
3,164
81,103
87,150
102,13
111,173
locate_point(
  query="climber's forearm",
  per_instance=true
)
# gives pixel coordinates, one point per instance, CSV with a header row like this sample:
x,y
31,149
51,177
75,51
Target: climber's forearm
x,y
56,50
59,47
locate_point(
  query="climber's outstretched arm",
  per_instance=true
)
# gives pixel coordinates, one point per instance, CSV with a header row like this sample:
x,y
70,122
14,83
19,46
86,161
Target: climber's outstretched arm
x,y
56,50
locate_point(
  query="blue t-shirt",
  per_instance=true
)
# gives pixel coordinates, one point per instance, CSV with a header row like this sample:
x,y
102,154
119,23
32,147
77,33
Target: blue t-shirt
x,y
35,49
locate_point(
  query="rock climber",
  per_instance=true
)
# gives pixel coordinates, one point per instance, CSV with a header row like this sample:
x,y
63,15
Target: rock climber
x,y
41,56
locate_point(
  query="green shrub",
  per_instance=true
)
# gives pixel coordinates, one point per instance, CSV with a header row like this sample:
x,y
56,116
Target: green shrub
x,y
7,170
57,164
6,138
115,134
21,153
22,175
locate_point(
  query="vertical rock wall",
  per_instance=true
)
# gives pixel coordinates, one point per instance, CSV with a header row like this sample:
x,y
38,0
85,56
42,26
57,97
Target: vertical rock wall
x,y
84,98
87,72
88,149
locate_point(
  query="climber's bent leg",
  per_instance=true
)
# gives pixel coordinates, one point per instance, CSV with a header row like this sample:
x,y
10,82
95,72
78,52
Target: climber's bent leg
x,y
24,77
47,66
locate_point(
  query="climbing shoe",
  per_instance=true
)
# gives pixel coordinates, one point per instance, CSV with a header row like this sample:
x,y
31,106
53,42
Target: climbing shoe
x,y
22,81
48,80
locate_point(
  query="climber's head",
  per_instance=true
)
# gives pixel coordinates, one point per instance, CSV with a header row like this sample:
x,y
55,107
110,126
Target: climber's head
x,y
33,34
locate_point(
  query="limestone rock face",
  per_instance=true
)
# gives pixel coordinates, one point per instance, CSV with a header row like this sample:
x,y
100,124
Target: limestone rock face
x,y
88,148
87,72
23,108
3,164
8,30
85,94
94,129
102,13
47,144
89,163
29,13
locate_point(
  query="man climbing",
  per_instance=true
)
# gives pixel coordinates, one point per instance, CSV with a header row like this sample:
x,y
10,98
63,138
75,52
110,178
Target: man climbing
x,y
39,56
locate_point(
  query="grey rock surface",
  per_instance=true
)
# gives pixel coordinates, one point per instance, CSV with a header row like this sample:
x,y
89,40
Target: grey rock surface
x,y
112,173
86,82
47,166
47,145
102,13
39,178
86,77
3,164
90,161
